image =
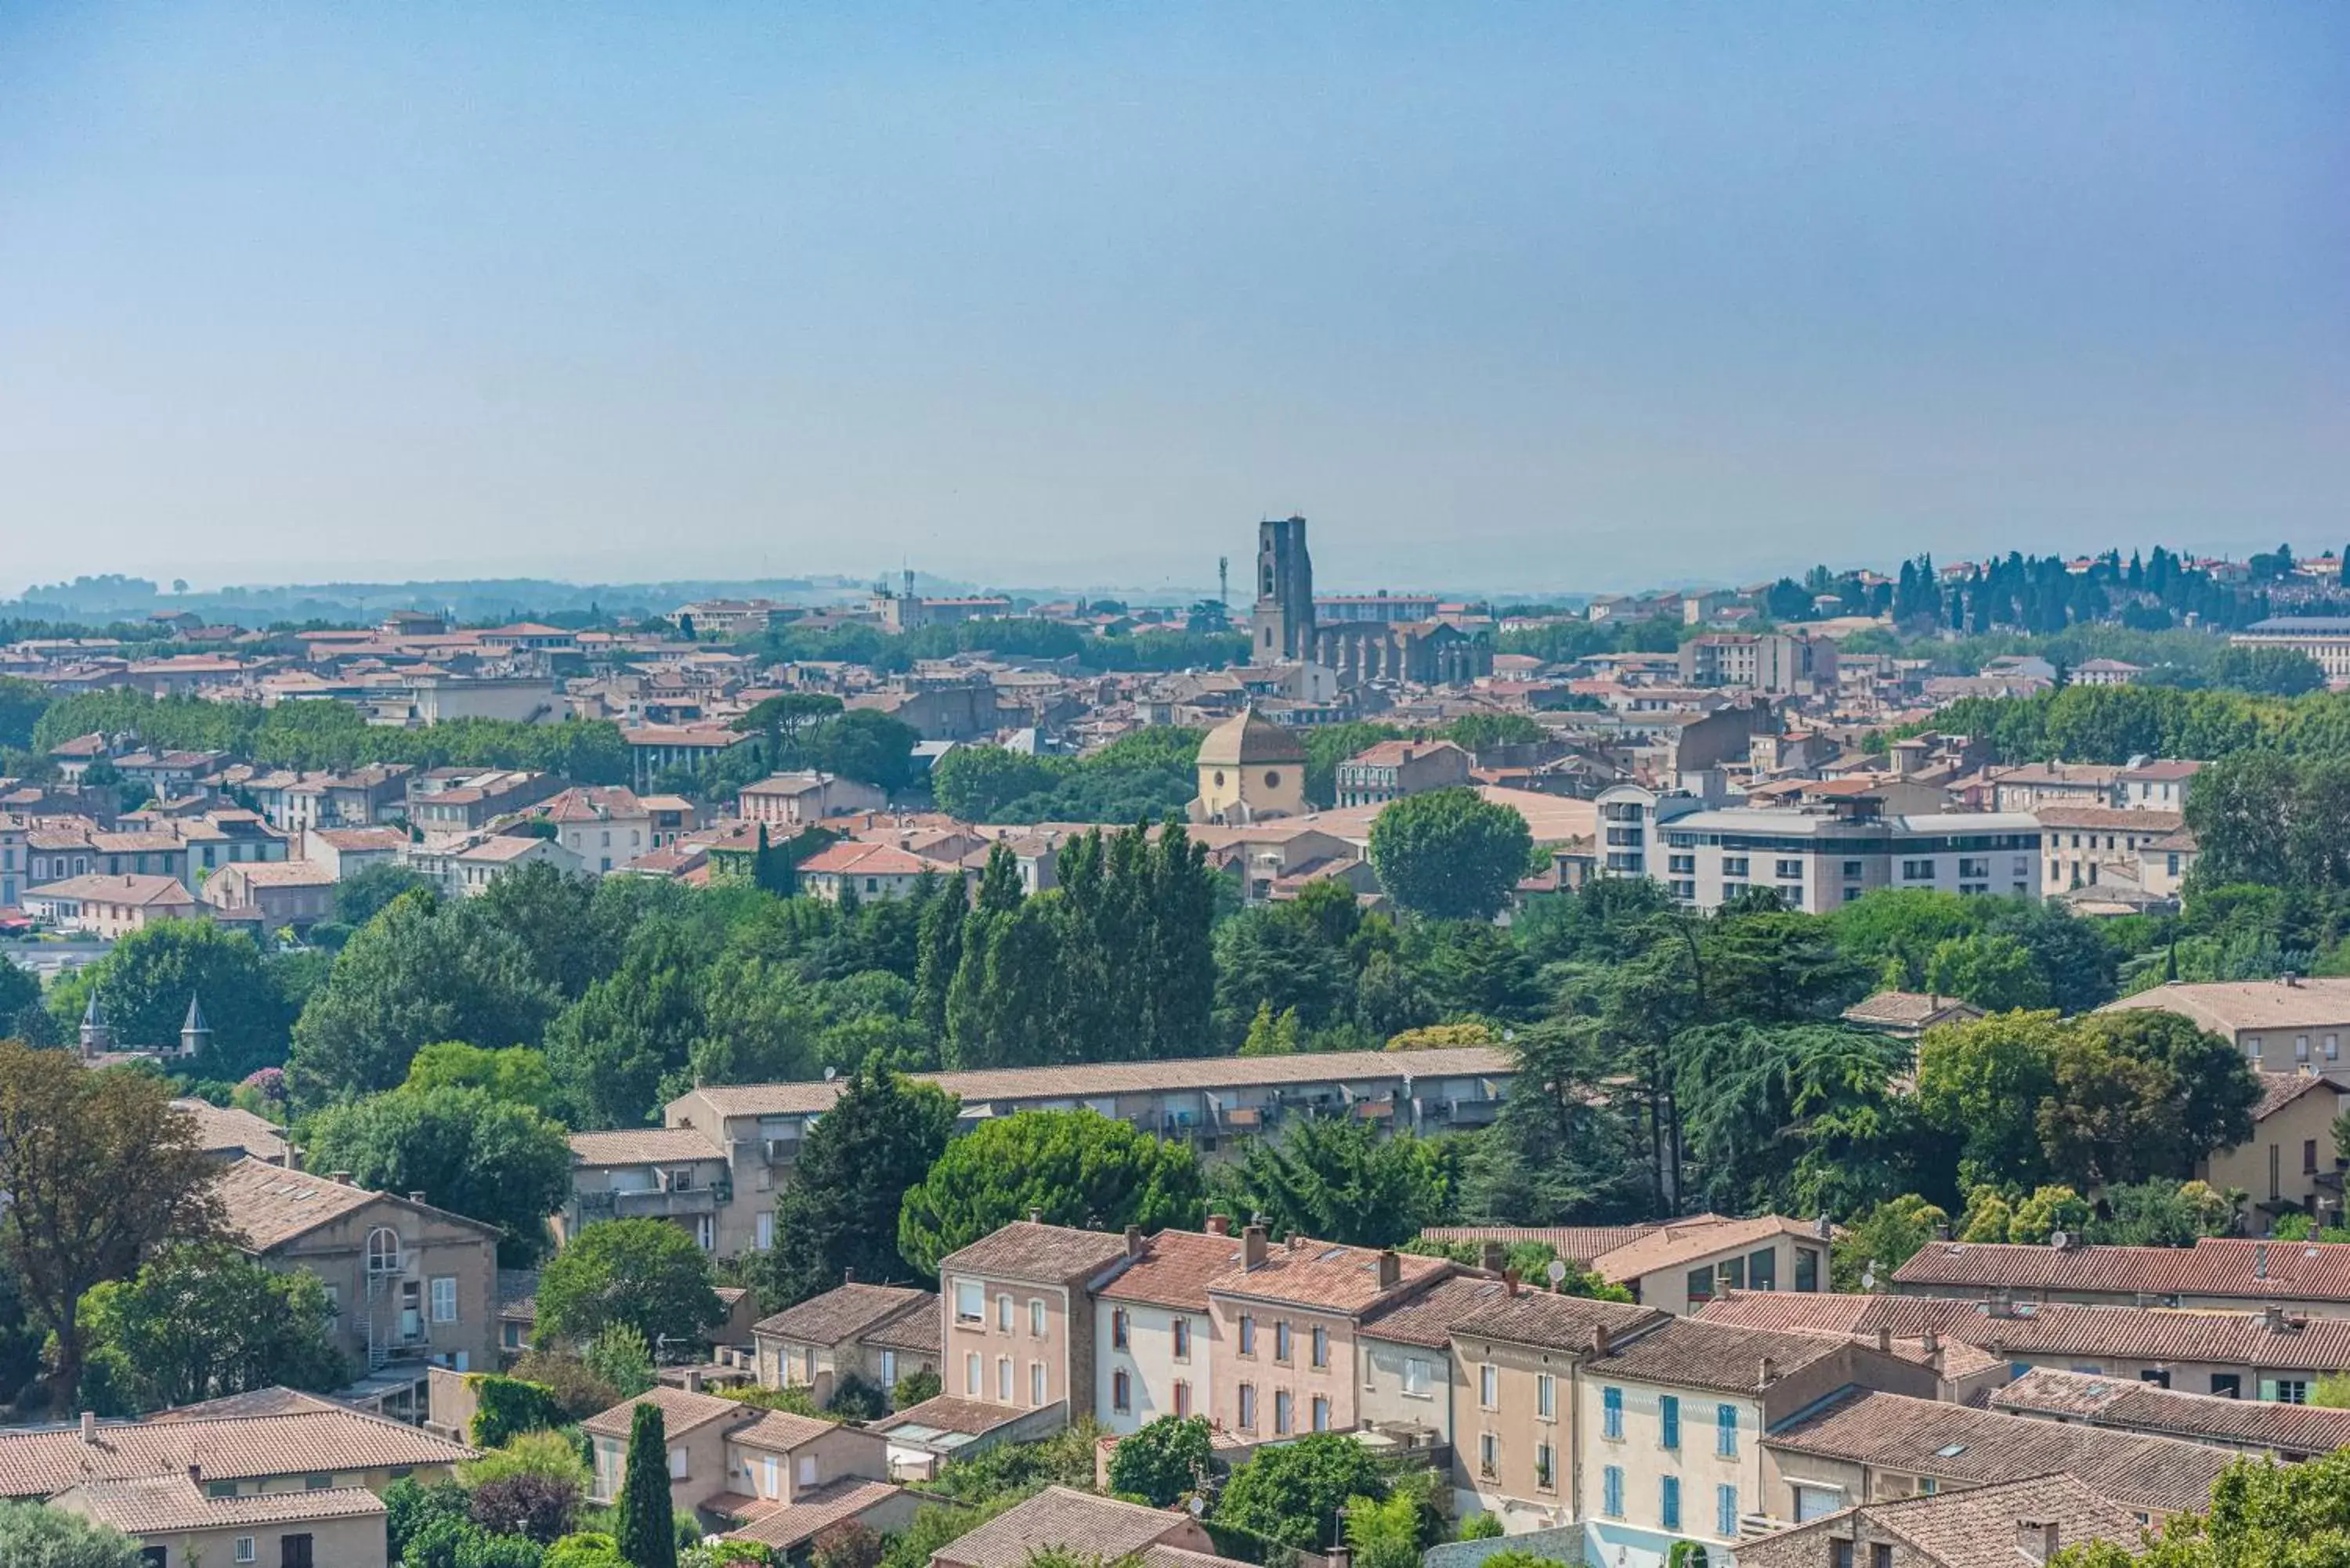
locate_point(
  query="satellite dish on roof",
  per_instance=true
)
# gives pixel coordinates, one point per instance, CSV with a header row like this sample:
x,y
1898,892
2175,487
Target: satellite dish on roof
x,y
1557,1270
830,1073
2059,1240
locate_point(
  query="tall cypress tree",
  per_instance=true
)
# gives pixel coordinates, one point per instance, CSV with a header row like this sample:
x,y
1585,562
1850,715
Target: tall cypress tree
x,y
648,1535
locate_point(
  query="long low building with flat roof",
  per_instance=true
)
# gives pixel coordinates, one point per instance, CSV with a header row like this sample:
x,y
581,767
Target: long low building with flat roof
x,y
725,1150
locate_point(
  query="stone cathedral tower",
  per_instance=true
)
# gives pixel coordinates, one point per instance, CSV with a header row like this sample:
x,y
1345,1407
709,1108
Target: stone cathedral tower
x,y
1282,623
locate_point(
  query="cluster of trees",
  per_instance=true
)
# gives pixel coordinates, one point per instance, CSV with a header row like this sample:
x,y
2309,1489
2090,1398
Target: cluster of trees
x,y
337,736
2115,723
1114,963
2042,595
1144,775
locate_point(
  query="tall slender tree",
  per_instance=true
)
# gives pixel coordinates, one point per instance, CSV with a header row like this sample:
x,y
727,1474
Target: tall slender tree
x,y
648,1533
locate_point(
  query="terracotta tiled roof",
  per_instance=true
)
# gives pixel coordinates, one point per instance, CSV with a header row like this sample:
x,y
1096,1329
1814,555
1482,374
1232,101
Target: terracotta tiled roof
x,y
1695,1355
1956,1444
2057,1328
1328,1276
222,1129
41,1461
1678,1245
1174,1270
817,1509
2108,819
863,860
156,1505
921,1331
2227,1006
1103,1078
1580,1243
1972,1529
844,1312
1060,1519
950,1413
681,1411
642,1146
2127,1403
1546,1319
1047,1254
269,1204
776,1431
2279,1090
1427,1318
1908,1010
2215,1266
149,892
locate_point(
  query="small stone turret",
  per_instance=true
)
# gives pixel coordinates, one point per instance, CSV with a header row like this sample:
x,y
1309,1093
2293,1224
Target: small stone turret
x,y
97,1037
195,1034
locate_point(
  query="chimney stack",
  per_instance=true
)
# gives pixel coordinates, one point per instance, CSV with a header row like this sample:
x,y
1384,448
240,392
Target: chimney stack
x,y
1884,1340
1036,1216
1253,1246
1134,1241
2038,1539
1825,1227
1510,1280
339,1177
1767,1373
1220,1224
1494,1256
2272,1318
89,1426
849,1276
416,1195
1933,1342
1390,1268
1598,1339
195,1475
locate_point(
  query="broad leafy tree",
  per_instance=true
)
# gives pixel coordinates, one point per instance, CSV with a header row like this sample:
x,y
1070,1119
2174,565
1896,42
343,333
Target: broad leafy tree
x,y
1342,1180
1980,1086
100,1168
200,1322
39,1536
1295,1493
1164,1462
1074,1168
146,983
417,975
1449,854
466,1151
613,1049
646,1273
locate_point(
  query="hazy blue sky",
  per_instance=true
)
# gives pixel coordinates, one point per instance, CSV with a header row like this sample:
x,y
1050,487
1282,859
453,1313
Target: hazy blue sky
x,y
1534,294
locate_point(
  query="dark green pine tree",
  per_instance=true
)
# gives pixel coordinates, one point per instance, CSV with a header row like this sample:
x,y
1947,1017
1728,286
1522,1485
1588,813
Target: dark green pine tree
x,y
938,951
647,1531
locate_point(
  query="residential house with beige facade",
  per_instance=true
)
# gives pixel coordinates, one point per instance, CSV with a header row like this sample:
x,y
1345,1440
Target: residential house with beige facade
x,y
411,1286
2280,1025
1679,1265
272,896
2229,1273
177,1524
762,1475
2289,1166
652,1173
792,799
1408,1390
874,1334
1286,1319
2025,1521
110,906
1019,1304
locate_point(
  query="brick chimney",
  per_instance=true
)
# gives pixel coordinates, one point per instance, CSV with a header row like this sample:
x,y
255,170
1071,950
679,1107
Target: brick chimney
x,y
2038,1539
1884,1340
1134,1241
89,1426
1510,1280
1220,1224
1390,1268
1492,1257
849,1276
416,1195
1251,1246
1598,1339
1767,1373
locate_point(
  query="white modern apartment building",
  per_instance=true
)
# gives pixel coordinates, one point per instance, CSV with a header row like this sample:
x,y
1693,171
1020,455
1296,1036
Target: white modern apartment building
x,y
1816,859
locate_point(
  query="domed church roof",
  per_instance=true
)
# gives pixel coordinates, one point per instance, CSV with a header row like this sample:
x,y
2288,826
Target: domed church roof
x,y
1245,739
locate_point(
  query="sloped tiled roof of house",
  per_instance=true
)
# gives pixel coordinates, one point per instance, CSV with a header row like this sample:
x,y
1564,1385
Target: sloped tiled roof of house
x,y
145,892
1047,1254
2214,1266
1427,1318
817,1509
1328,1276
1061,1519
1546,1319
361,840
681,1411
2279,1090
1972,1529
223,1129
843,1314
2227,1006
1959,1444
641,1145
1578,1243
2126,1402
1908,1010
777,1431
42,1461
269,1205
1714,1355
1174,1270
2055,1328
156,1505
1678,1245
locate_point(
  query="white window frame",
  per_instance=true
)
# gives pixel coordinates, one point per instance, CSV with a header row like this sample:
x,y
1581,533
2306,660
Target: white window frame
x,y
444,1298
971,1302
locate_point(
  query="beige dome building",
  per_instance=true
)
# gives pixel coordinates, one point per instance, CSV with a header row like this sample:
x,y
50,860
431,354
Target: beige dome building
x,y
1251,769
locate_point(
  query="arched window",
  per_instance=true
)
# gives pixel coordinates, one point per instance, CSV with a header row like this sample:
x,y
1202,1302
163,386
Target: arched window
x,y
383,1250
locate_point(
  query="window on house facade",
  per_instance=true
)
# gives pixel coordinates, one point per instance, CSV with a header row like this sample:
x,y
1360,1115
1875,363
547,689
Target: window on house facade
x,y
1004,1313
1003,1380
444,1299
1489,1454
970,1300
1545,1479
1035,1383
1037,1316
1725,1512
677,1462
1248,1407
1121,1393
1281,1418
1611,1414
1182,1399
1117,1328
1321,1339
1725,1430
1669,1502
1545,1396
1762,1270
1611,1491
1321,1413
1489,1386
1669,1421
970,1379
1415,1377
1248,1335
1280,1341
1182,1335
